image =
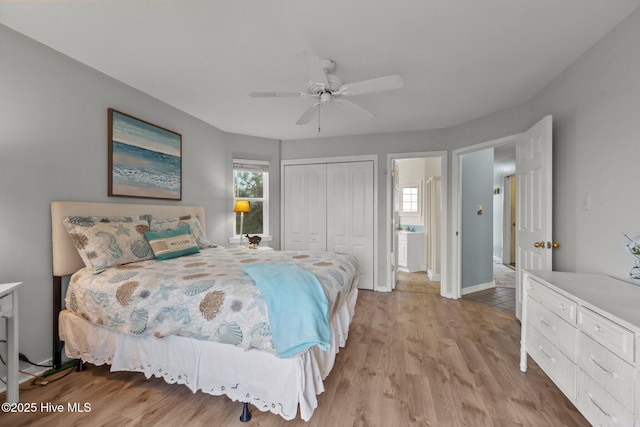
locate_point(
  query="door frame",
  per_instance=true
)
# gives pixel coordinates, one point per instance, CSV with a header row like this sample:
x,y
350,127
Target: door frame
x,y
456,203
443,155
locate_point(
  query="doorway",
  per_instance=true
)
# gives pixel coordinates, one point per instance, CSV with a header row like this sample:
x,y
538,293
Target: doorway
x,y
486,278
533,203
415,238
499,161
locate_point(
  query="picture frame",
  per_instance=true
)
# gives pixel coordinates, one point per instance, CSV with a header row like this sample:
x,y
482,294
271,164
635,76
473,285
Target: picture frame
x,y
145,160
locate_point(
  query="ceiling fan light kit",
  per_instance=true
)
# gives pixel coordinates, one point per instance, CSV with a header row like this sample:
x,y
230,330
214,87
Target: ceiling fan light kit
x,y
327,87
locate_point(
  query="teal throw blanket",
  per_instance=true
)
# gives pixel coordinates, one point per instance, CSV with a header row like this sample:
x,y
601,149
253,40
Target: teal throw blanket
x,y
298,307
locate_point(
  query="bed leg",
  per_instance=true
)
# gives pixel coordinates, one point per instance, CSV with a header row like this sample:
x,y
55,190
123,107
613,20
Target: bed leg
x,y
57,307
79,365
246,414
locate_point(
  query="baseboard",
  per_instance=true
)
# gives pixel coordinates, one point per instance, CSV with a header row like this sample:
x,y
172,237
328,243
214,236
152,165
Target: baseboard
x,y
35,370
406,270
478,288
434,277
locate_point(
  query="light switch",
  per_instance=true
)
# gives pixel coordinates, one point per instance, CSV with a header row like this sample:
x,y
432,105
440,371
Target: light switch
x,y
586,201
479,210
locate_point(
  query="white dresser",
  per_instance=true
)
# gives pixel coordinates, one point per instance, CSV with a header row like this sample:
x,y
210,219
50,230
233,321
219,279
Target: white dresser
x,y
9,310
583,330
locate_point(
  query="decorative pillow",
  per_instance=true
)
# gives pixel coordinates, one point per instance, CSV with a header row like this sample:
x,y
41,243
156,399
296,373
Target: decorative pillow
x,y
172,243
188,220
104,242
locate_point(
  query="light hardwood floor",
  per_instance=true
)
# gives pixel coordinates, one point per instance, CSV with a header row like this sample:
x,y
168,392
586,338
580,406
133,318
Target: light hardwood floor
x,y
412,359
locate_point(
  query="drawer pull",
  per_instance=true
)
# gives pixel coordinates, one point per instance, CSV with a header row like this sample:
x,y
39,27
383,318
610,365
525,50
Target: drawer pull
x,y
546,354
614,419
606,371
597,328
545,323
561,306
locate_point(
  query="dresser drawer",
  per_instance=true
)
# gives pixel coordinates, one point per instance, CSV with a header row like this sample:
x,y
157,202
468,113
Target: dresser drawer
x,y
559,304
597,406
610,334
553,362
611,372
6,306
561,334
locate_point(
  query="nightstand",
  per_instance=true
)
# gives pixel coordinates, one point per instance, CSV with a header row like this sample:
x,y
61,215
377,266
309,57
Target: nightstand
x,y
9,309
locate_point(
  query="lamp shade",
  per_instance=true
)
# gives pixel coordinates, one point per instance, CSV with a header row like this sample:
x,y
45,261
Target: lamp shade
x,y
242,206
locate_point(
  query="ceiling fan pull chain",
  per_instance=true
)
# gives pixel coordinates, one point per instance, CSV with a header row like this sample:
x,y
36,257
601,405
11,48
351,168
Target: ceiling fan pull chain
x,y
319,106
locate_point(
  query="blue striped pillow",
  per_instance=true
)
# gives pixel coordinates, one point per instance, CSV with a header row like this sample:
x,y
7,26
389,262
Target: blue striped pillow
x,y
172,243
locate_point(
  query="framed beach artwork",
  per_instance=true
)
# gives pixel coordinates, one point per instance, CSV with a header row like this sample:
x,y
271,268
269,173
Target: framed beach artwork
x,y
145,160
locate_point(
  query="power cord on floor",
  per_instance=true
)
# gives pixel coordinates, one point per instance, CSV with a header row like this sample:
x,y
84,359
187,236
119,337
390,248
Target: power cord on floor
x,y
24,358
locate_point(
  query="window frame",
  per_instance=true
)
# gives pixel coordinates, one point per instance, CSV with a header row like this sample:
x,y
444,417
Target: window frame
x,y
418,187
252,166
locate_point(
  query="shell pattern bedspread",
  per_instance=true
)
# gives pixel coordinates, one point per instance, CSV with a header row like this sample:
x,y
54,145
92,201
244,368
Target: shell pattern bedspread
x,y
205,296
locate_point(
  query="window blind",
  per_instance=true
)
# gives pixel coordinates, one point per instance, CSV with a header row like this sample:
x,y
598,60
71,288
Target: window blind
x,y
257,166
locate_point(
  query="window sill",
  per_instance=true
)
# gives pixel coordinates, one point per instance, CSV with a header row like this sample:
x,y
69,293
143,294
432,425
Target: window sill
x,y
236,239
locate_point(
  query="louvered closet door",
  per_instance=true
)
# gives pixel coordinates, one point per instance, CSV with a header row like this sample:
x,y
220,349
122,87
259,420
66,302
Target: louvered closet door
x,y
350,214
305,207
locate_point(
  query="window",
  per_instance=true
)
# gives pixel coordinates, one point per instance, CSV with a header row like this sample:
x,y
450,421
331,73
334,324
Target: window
x,y
410,199
251,182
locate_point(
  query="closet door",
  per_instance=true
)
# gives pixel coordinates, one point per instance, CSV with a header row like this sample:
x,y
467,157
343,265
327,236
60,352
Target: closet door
x,y
350,214
305,207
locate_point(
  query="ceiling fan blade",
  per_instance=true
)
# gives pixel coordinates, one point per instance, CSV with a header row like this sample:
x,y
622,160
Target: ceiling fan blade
x,y
373,85
308,114
317,73
277,94
355,108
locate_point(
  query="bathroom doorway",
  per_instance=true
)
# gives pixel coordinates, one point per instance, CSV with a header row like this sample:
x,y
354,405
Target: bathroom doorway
x,y
416,212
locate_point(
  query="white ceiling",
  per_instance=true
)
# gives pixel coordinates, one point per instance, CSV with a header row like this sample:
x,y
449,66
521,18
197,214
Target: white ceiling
x,y
460,59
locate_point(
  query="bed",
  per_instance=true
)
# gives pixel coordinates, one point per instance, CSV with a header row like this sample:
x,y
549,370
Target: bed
x,y
246,370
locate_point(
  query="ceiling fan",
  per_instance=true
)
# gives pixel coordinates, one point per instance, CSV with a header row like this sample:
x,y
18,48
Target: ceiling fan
x,y
326,87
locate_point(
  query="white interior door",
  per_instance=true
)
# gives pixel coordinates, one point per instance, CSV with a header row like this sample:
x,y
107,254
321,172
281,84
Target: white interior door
x,y
533,202
350,214
305,207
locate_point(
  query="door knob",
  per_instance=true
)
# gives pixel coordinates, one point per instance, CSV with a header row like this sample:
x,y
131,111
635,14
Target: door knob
x,y
540,244
555,245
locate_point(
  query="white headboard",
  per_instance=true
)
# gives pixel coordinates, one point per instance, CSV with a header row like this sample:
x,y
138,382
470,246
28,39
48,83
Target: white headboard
x,y
65,256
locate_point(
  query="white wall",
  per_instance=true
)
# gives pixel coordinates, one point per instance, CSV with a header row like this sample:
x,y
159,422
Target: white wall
x,y
53,145
595,104
596,107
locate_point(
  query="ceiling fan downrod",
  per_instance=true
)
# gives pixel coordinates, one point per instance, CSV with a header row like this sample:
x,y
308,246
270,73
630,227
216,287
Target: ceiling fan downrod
x,y
319,106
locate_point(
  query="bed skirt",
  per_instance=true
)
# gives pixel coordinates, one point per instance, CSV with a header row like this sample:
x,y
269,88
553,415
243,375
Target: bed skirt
x,y
254,376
